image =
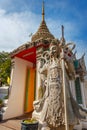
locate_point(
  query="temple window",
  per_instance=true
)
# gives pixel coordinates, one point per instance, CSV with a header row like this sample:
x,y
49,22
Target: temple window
x,y
76,64
78,90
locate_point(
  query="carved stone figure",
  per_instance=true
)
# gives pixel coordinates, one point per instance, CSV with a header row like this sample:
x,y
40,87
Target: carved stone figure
x,y
50,108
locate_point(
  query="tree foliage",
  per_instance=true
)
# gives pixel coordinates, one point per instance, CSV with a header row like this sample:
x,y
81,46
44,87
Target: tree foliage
x,y
5,66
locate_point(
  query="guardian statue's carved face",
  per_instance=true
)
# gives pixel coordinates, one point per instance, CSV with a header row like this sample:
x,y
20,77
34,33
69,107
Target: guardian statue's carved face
x,y
53,50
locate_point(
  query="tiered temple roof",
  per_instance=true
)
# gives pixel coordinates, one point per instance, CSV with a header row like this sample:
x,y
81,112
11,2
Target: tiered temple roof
x,y
43,34
43,31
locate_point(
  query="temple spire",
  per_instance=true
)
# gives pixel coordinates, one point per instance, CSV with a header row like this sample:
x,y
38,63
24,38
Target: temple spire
x,y
43,31
62,31
62,40
43,11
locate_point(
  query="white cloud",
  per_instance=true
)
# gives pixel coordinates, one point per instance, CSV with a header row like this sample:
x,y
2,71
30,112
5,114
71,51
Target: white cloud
x,y
15,28
2,12
70,30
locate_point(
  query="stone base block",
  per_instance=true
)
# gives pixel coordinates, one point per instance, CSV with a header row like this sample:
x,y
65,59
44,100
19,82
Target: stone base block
x,y
62,128
59,128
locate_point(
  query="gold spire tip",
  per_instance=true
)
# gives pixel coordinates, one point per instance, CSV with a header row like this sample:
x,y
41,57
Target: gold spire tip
x,y
43,11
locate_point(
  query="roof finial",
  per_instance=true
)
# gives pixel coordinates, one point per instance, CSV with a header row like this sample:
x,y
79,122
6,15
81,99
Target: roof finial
x,y
62,38
62,31
43,11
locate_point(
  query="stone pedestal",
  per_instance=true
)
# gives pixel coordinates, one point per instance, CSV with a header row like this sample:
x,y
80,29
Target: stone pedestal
x,y
62,128
43,126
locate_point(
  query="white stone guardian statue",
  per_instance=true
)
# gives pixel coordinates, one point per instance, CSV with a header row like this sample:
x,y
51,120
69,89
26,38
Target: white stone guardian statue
x,y
50,108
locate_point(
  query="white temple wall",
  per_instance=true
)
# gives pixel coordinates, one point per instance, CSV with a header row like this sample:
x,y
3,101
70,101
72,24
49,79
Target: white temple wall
x,y
83,94
85,90
16,99
72,88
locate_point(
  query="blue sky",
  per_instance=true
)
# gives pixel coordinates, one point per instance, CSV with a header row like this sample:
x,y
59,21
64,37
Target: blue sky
x,y
20,18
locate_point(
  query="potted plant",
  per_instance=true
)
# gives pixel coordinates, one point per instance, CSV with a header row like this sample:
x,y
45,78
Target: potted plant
x,y
29,124
5,100
1,105
6,97
1,102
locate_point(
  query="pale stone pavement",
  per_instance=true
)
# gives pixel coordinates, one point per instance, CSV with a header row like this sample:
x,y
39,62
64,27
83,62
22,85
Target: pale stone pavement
x,y
13,124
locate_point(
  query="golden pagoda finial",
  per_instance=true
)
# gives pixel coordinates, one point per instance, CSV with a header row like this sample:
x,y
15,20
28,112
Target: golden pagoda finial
x,y
43,11
43,31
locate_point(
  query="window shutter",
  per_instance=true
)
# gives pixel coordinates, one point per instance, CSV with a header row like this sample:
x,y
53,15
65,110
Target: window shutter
x,y
78,90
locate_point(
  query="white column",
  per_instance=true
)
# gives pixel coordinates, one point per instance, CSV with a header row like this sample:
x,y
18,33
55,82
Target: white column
x,y
83,94
72,88
85,90
64,90
38,79
12,74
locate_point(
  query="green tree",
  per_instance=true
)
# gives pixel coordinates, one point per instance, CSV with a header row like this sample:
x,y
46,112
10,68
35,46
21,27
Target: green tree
x,y
5,66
